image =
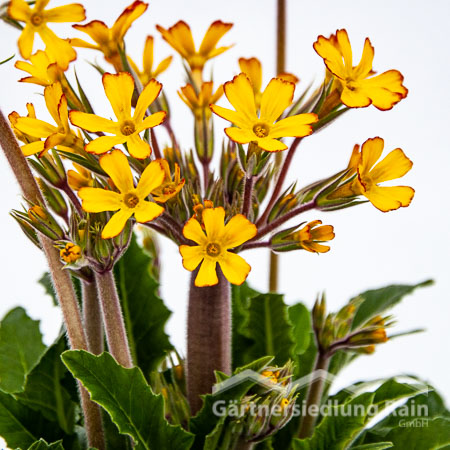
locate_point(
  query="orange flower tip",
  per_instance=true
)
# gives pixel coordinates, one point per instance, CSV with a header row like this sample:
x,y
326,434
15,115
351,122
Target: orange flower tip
x,y
224,24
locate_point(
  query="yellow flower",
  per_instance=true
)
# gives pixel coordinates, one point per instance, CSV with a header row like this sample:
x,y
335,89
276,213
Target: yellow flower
x,y
42,69
359,87
168,188
79,178
36,20
179,37
119,90
60,136
147,72
199,103
129,200
14,116
311,235
110,40
70,253
213,246
394,165
263,130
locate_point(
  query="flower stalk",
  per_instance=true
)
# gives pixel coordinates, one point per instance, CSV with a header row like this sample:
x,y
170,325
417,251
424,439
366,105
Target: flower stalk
x,y
92,317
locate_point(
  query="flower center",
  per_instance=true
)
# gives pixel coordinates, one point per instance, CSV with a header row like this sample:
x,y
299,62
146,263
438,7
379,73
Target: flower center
x,y
168,190
131,200
213,249
127,128
36,19
261,130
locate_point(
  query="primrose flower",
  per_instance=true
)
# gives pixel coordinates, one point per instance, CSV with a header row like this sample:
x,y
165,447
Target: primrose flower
x,y
110,40
70,253
129,200
213,246
147,72
199,102
119,90
179,37
359,87
169,188
79,178
60,136
42,69
368,175
310,236
263,130
23,137
36,20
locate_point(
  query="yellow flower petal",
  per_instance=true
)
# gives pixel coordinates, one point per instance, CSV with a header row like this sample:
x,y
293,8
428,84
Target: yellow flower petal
x,y
52,95
332,58
394,165
355,98
344,45
19,10
215,32
67,13
58,49
240,136
232,116
26,40
192,256
315,247
35,127
32,148
237,231
213,219
234,268
125,20
207,275
147,97
275,99
99,200
146,211
92,122
119,90
239,93
271,145
294,126
370,153
104,143
323,233
363,69
147,56
252,68
151,121
116,224
115,164
192,230
162,66
151,178
138,148
96,29
179,36
389,198
75,42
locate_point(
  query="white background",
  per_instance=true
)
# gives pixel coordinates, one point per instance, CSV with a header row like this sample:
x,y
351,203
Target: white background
x,y
371,249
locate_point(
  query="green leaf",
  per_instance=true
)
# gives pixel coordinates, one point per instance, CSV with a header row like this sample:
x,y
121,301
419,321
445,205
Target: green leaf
x,y
145,313
377,301
376,446
20,349
44,391
42,445
300,318
269,327
129,400
338,430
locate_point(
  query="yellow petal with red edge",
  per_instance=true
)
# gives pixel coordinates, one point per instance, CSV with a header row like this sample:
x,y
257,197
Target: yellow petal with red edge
x,y
240,136
138,148
54,140
316,247
103,143
355,98
128,16
192,230
99,200
275,99
32,148
179,36
115,164
344,46
234,268
119,90
207,275
116,224
58,49
240,94
53,96
67,13
75,42
394,165
188,95
162,66
234,117
151,178
146,211
252,68
294,126
63,113
151,121
19,10
331,55
91,122
271,145
147,97
355,158
213,219
363,69
35,127
370,153
192,256
96,29
237,231
214,33
389,198
26,40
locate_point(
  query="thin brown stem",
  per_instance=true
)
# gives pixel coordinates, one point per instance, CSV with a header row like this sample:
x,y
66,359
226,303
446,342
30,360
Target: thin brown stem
x,y
113,321
155,145
74,199
248,195
281,36
205,167
174,227
92,317
273,272
252,245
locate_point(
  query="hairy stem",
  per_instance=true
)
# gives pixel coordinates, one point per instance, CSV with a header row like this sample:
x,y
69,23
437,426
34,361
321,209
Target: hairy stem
x,y
74,199
113,321
92,318
209,337
61,278
248,195
273,272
